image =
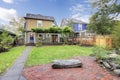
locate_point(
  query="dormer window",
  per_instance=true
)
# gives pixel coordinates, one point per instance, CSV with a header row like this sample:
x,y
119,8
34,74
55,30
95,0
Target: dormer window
x,y
39,23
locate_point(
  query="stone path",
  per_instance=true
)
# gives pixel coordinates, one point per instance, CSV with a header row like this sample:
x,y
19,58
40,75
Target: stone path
x,y
14,73
90,71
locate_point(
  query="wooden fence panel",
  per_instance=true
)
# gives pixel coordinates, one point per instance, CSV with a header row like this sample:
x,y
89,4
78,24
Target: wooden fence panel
x,y
103,41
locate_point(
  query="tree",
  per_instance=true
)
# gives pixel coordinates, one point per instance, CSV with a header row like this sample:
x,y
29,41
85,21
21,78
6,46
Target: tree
x,y
116,35
16,26
5,39
108,7
66,31
100,24
70,24
102,21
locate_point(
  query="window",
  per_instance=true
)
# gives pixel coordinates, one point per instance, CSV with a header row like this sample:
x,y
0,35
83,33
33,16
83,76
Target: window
x,y
79,27
39,23
53,24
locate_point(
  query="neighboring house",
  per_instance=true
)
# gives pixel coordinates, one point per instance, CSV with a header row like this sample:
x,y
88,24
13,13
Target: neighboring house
x,y
79,27
40,21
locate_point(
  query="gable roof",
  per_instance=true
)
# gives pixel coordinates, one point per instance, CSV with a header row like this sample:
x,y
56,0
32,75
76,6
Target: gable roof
x,y
78,21
39,17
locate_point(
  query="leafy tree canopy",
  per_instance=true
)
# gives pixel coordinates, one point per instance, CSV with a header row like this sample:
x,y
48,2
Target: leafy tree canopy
x,y
47,30
102,21
53,30
5,39
116,34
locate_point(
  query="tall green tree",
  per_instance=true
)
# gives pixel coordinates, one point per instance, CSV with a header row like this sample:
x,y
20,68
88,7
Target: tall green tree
x,y
100,24
16,26
5,39
66,32
102,21
116,34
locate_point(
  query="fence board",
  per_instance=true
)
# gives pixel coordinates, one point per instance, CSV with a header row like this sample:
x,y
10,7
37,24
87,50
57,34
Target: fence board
x,y
104,41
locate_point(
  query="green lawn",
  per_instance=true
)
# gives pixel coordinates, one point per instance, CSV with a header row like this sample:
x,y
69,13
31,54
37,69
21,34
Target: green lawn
x,y
7,58
45,54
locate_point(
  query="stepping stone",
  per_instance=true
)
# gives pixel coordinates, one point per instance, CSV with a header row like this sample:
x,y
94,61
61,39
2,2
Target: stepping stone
x,y
72,63
117,72
107,65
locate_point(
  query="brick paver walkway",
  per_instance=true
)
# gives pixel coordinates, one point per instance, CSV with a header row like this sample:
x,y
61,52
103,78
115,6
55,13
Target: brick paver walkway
x,y
90,71
14,73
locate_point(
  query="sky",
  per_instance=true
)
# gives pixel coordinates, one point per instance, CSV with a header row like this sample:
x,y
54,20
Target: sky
x,y
59,9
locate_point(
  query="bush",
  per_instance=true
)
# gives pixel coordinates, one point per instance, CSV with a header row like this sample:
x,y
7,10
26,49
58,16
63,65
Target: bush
x,y
116,35
100,53
5,41
117,59
39,44
48,30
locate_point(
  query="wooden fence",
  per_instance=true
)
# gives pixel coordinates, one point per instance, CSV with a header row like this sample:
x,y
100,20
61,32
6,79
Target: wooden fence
x,y
103,41
89,41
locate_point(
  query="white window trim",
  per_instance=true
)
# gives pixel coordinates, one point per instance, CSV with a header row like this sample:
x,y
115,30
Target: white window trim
x,y
80,27
34,38
38,22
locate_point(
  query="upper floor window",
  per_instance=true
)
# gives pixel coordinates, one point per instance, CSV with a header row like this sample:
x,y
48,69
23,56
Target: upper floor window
x,y
80,27
53,24
39,23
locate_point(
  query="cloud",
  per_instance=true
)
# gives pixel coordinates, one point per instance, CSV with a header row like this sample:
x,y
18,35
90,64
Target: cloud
x,y
80,12
8,1
77,8
7,14
13,1
117,18
91,1
81,17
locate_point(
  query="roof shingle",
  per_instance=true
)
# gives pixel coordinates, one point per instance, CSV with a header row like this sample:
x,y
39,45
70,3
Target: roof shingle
x,y
38,16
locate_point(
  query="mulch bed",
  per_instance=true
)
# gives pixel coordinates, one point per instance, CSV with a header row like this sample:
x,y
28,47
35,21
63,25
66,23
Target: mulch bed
x,y
90,71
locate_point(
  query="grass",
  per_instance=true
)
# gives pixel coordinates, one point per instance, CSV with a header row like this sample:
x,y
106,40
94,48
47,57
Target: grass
x,y
8,58
45,54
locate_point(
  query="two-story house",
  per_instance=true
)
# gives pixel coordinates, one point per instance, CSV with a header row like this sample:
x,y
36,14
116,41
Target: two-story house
x,y
39,21
79,27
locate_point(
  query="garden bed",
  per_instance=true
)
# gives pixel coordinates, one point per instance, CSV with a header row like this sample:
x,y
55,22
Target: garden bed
x,y
108,59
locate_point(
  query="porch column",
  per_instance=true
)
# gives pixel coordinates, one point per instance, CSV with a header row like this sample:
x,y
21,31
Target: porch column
x,y
25,39
58,38
34,37
50,37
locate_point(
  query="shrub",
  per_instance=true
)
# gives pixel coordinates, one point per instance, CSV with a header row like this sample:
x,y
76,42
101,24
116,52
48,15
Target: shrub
x,y
5,41
38,30
100,53
117,59
55,30
39,44
116,35
47,30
